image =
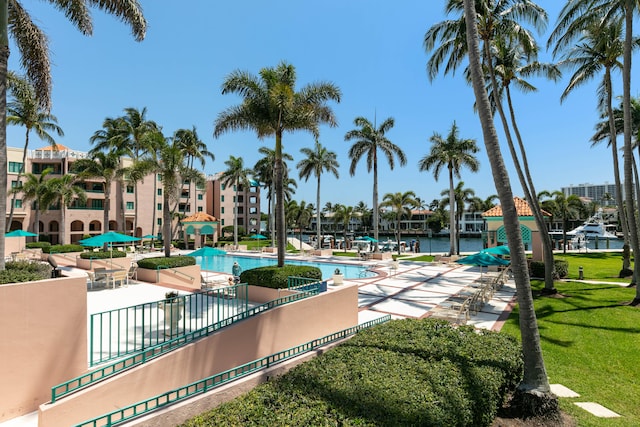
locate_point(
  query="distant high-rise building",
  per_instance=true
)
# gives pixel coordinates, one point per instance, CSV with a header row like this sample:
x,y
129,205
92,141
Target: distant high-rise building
x,y
222,202
604,194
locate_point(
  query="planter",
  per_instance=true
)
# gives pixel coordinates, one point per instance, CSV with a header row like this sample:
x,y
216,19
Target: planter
x,y
172,314
338,279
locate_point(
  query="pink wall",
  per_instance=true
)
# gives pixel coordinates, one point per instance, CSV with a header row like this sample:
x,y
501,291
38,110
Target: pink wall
x,y
187,277
253,338
43,340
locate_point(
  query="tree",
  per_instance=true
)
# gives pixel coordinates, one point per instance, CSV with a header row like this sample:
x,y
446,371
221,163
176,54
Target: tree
x,y
365,213
238,176
342,215
565,207
66,192
533,392
33,47
271,106
24,110
368,140
317,160
462,196
452,153
37,188
299,216
171,168
401,204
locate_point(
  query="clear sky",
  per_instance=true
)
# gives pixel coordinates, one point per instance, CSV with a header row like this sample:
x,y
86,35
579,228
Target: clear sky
x,y
371,49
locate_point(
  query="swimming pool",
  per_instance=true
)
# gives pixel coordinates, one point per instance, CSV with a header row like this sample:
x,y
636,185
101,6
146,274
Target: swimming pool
x,y
224,263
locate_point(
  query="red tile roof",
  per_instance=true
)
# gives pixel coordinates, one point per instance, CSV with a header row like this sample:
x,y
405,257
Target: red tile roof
x,y
522,208
200,217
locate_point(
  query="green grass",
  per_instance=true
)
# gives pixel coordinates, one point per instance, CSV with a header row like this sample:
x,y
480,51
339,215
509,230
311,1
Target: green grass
x,y
590,342
596,265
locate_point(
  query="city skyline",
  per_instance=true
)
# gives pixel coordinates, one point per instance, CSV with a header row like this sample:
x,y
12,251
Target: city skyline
x,y
372,51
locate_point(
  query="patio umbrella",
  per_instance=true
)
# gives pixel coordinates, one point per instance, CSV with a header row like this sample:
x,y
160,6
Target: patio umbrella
x,y
110,237
498,250
20,233
149,236
482,259
207,251
370,239
258,237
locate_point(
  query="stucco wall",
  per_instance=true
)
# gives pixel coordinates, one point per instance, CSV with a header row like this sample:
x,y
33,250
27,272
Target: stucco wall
x,y
185,277
43,340
272,331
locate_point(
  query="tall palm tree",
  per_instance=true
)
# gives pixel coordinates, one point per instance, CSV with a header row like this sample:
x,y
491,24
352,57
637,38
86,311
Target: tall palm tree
x,y
365,213
368,140
271,106
171,168
104,166
401,204
462,196
33,48
534,389
300,215
342,215
67,191
316,161
24,110
238,176
37,188
452,153
264,173
567,208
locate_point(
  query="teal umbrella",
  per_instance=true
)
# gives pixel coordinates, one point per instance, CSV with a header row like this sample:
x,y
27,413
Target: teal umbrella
x,y
110,237
370,239
20,233
498,250
258,237
149,236
207,251
482,259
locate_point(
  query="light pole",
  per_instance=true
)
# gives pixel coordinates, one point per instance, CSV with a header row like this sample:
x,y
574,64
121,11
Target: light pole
x,y
429,234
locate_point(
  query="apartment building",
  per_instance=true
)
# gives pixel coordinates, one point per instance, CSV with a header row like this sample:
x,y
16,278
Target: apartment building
x,y
604,194
222,202
82,219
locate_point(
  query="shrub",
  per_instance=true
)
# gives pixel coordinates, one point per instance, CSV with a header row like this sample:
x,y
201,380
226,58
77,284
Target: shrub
x,y
61,249
171,262
561,268
36,245
24,271
103,254
276,277
536,269
405,372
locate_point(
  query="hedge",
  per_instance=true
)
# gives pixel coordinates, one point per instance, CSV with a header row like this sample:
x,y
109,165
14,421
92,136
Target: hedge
x,y
561,268
24,271
276,277
171,262
103,254
36,245
406,372
60,249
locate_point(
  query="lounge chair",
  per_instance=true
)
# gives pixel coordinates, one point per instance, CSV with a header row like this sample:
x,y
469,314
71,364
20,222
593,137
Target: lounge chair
x,y
133,271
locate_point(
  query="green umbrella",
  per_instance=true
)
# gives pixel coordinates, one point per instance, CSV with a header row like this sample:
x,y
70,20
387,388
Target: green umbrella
x,y
497,250
110,237
20,233
207,251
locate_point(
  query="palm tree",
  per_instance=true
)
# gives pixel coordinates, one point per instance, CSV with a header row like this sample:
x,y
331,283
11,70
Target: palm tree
x,y
238,176
534,390
317,160
365,213
452,153
106,167
368,140
401,204
462,196
342,215
33,48
271,106
67,191
24,110
599,49
264,173
36,188
300,216
566,207
171,168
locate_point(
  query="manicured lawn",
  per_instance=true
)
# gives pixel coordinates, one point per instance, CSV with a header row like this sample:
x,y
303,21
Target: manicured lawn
x,y
596,265
590,342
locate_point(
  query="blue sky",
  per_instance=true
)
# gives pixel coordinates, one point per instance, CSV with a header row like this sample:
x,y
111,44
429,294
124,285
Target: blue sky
x,y
372,50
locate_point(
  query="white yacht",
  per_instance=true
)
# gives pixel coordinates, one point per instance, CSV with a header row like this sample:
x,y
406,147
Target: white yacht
x,y
592,228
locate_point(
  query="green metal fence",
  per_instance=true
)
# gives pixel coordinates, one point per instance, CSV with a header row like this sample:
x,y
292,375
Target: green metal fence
x,y
303,283
60,390
120,332
173,396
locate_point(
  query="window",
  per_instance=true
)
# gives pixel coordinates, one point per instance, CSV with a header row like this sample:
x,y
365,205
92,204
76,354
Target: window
x,y
199,208
253,210
223,186
199,196
97,204
129,206
159,191
16,184
159,221
222,198
253,200
159,206
18,203
222,222
159,177
234,199
240,210
222,210
234,188
15,167
130,189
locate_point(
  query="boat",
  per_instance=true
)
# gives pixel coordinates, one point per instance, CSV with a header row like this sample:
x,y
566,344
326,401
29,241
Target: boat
x,y
592,228
392,246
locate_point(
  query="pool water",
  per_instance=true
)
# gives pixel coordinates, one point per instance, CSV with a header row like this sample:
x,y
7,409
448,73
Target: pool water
x,y
224,263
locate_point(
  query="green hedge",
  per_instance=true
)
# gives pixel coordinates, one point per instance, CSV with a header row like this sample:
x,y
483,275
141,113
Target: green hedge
x,y
36,245
61,249
103,254
403,373
561,268
24,271
276,277
171,262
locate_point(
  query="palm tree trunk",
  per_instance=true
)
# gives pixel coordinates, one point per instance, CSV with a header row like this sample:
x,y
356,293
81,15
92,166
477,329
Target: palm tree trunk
x,y
281,229
155,209
235,218
166,225
107,206
20,173
36,225
4,58
452,214
318,225
534,387
376,211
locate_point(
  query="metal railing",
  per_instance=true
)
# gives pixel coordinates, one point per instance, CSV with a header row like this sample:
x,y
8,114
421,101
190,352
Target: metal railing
x,y
75,384
173,270
173,396
120,332
302,283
